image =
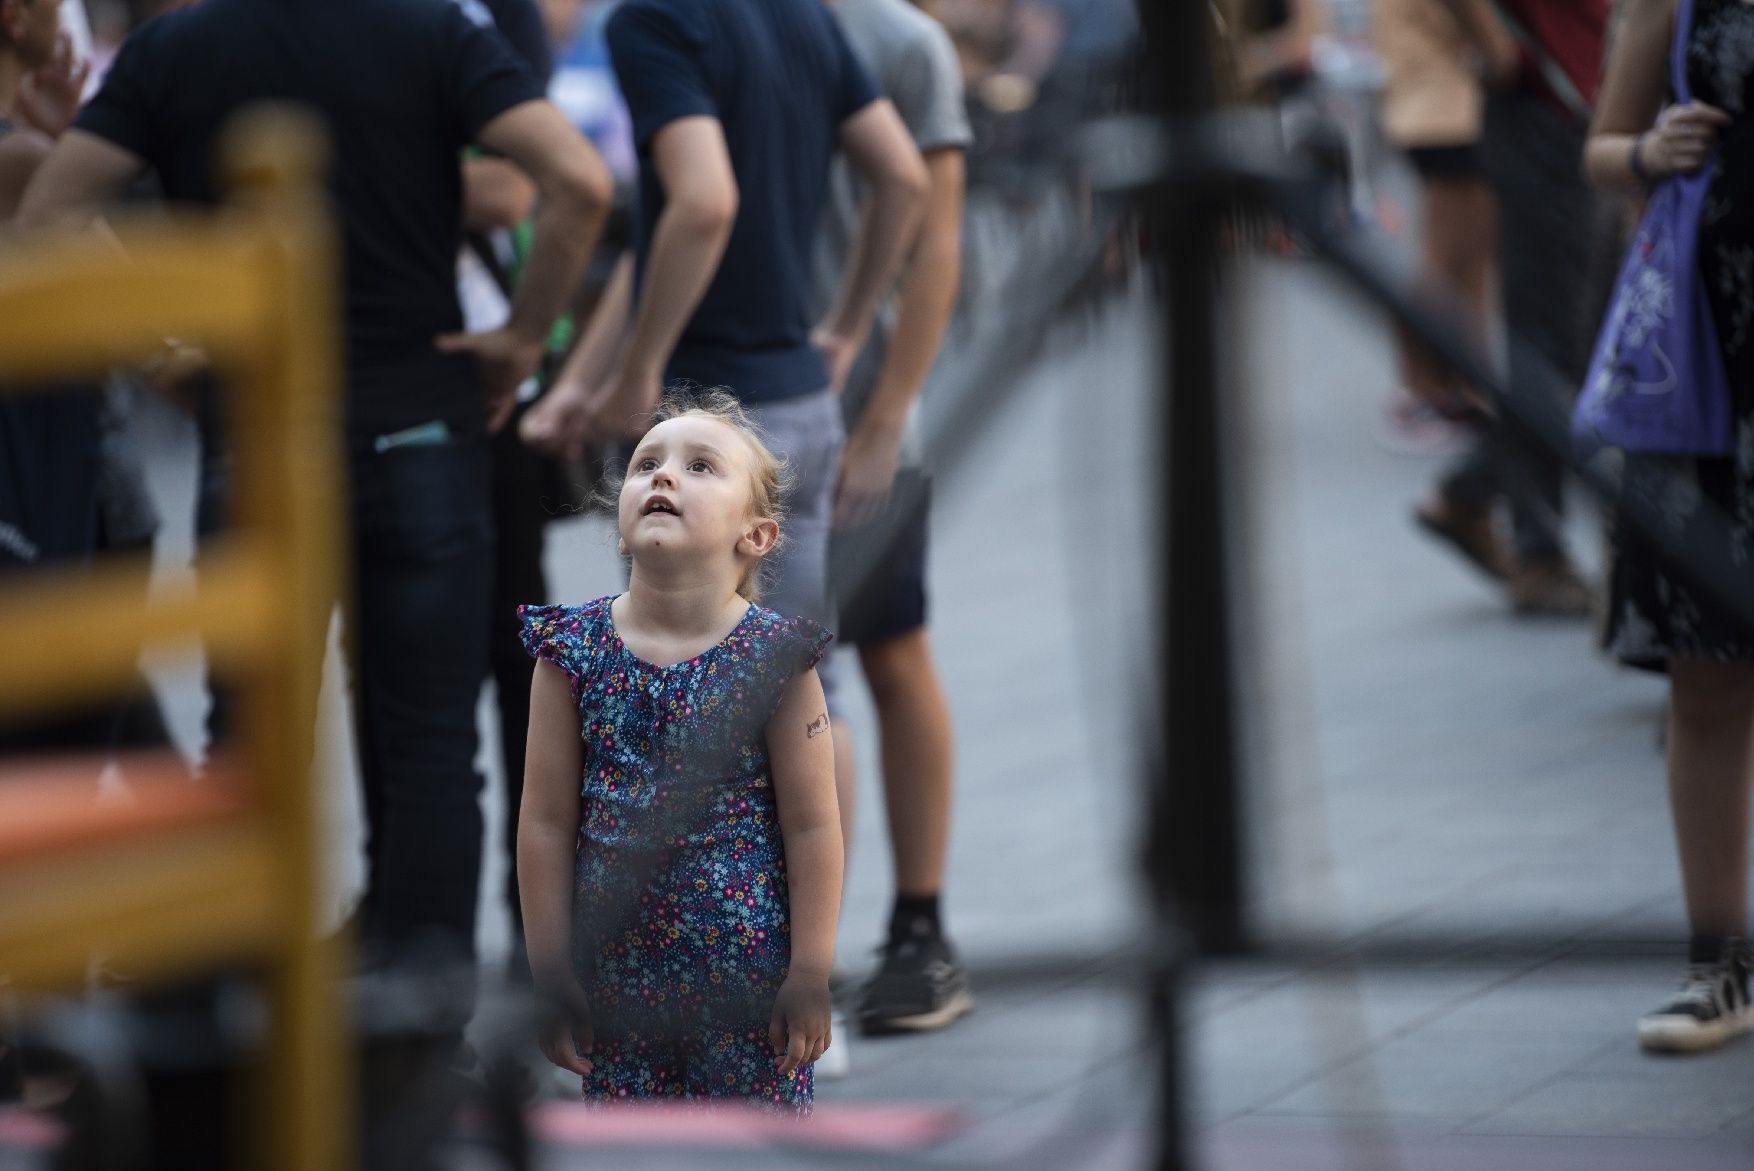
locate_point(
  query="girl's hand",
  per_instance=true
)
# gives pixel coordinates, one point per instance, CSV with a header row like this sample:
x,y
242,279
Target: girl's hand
x,y
566,1035
800,1029
1682,139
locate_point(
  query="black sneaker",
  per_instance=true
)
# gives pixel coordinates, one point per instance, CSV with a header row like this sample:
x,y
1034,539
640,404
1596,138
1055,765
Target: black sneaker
x,y
918,987
1711,1008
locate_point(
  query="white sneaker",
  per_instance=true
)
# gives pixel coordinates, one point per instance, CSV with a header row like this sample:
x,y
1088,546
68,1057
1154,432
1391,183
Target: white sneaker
x,y
835,1062
1711,1008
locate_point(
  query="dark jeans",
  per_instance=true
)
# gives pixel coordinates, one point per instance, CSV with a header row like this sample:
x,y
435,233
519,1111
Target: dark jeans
x,y
1549,265
518,516
424,552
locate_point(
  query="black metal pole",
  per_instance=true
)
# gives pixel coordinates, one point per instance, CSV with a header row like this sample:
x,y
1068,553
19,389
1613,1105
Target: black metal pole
x,y
1193,852
1199,827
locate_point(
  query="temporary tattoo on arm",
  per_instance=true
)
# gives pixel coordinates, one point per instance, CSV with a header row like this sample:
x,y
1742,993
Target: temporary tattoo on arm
x,y
817,726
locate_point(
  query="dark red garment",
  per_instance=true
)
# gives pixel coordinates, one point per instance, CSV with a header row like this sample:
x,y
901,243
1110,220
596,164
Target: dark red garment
x,y
1568,33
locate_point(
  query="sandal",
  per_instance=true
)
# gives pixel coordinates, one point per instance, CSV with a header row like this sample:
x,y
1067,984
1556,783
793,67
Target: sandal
x,y
1471,533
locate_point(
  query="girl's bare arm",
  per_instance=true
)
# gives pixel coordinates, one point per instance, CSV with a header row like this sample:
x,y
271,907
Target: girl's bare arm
x,y
548,830
801,750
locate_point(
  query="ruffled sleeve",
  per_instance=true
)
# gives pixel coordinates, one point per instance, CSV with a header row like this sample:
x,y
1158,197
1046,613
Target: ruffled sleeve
x,y
559,634
790,647
805,644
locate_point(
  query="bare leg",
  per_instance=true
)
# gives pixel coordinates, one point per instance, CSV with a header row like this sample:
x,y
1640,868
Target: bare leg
x,y
919,986
1467,248
1461,238
1460,248
917,748
1711,721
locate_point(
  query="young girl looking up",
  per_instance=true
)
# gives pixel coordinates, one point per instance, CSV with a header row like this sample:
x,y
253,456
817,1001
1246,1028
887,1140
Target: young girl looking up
x,y
679,850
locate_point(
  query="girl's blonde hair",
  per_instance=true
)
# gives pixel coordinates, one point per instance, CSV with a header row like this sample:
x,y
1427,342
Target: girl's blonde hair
x,y
768,478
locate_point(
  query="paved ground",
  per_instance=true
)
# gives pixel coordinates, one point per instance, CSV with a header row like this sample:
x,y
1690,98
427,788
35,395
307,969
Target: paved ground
x,y
1439,770
1431,768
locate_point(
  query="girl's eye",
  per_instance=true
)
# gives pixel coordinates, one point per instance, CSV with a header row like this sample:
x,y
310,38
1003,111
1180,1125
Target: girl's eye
x,y
700,465
646,465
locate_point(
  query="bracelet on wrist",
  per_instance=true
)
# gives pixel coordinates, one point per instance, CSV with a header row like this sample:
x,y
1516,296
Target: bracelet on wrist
x,y
1635,160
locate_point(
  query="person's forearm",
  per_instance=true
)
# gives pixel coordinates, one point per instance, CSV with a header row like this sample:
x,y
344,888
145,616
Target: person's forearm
x,y
592,360
928,297
813,878
687,243
568,222
70,188
545,882
1608,162
891,216
496,194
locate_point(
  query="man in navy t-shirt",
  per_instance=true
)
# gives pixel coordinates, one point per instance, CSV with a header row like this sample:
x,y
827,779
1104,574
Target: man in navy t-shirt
x,y
737,111
401,86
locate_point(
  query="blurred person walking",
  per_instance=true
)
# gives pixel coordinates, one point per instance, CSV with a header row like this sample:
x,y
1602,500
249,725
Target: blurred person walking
x,y
1655,619
1541,61
738,111
882,497
1433,105
420,397
584,84
1005,50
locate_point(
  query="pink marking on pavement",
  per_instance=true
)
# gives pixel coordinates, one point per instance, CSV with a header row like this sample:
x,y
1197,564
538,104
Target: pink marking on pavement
x,y
29,1129
657,1124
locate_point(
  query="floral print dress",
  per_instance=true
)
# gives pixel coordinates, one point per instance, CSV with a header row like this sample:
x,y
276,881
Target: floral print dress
x,y
1652,614
681,929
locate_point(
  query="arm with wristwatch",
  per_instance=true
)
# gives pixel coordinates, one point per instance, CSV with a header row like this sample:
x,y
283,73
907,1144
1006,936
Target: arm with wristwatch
x,y
1634,140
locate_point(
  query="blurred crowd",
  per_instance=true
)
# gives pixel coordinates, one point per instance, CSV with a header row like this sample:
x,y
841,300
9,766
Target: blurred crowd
x,y
1570,180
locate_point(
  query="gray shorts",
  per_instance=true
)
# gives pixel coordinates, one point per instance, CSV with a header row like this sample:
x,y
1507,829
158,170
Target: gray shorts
x,y
807,433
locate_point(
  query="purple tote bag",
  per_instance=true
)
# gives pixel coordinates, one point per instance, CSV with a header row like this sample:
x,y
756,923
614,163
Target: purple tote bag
x,y
1656,382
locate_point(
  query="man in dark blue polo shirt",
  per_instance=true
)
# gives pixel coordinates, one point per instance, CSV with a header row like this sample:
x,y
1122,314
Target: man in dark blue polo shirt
x,y
401,86
737,111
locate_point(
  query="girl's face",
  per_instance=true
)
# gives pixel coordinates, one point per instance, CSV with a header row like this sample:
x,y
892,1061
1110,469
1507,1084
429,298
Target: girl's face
x,y
690,488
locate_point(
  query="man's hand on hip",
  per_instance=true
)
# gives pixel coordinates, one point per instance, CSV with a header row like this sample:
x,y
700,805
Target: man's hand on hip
x,y
506,359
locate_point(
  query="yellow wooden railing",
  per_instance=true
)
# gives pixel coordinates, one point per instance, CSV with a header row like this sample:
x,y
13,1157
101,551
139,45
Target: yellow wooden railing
x,y
189,875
